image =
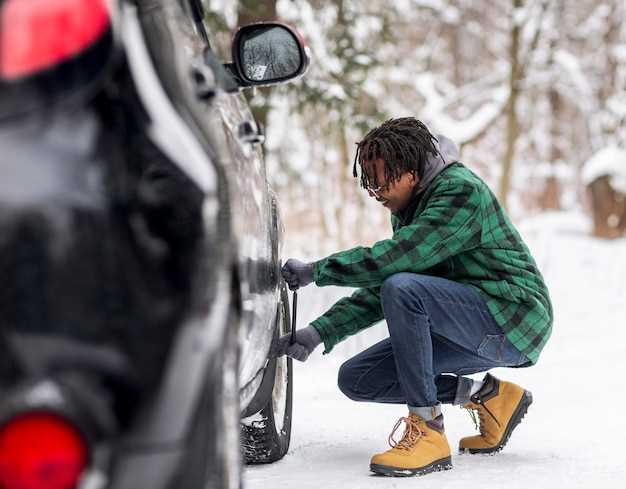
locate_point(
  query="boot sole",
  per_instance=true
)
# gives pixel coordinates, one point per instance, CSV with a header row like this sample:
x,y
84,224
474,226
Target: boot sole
x,y
516,418
436,466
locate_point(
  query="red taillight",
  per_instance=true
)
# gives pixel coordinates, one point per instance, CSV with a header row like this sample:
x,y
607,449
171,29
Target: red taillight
x,y
41,451
37,34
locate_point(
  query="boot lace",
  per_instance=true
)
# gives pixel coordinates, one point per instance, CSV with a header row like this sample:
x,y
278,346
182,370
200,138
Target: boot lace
x,y
479,423
472,414
411,436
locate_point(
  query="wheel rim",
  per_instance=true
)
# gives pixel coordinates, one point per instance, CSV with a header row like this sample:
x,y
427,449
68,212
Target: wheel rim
x,y
279,393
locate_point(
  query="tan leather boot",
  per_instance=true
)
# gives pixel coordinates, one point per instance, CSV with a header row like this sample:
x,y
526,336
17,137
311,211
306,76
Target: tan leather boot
x,y
422,449
501,406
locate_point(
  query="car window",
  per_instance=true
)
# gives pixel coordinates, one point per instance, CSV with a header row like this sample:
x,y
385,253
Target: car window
x,y
218,30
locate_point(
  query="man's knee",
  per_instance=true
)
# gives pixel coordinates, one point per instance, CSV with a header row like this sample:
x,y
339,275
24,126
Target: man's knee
x,y
398,283
346,380
403,289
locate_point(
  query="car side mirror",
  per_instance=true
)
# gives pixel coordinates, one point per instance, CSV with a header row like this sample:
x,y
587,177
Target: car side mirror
x,y
266,53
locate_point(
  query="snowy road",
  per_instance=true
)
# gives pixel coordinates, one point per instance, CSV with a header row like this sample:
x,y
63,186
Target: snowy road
x,y
572,434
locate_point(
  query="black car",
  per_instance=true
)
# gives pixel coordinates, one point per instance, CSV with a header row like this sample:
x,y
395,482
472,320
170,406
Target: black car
x,y
140,248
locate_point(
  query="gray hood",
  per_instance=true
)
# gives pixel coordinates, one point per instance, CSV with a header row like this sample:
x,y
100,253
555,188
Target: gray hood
x,y
434,164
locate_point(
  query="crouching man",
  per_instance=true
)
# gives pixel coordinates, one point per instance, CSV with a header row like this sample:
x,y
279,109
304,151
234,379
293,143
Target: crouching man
x,y
457,286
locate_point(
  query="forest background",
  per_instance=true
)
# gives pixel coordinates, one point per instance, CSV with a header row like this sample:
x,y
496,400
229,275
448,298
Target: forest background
x,y
530,90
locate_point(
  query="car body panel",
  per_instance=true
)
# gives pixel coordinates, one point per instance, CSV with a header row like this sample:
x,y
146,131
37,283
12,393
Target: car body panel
x,y
253,228
146,203
251,208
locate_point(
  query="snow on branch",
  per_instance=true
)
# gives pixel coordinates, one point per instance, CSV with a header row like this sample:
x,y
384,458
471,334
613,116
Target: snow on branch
x,y
609,161
461,131
570,66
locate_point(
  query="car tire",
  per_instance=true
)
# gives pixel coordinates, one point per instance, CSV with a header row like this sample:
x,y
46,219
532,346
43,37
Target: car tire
x,y
265,435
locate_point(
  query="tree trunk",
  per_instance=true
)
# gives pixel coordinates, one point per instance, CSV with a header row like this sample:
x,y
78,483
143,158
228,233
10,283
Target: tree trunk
x,y
608,208
551,193
255,11
512,124
453,34
344,187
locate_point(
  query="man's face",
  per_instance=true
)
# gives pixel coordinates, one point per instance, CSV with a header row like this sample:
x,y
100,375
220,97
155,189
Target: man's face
x,y
396,195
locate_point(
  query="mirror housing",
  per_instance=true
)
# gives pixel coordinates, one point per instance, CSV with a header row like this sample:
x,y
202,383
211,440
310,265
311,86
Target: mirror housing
x,y
266,53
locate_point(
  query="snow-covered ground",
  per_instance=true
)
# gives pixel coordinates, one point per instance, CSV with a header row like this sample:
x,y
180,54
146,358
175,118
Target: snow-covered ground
x,y
573,435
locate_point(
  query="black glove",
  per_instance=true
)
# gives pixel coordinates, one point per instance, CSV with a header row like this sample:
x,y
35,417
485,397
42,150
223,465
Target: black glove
x,y
297,273
307,340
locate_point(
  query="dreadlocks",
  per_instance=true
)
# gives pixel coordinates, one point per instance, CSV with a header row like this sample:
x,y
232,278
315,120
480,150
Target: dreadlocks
x,y
401,143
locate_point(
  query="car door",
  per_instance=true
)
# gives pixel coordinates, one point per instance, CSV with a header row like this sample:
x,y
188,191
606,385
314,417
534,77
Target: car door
x,y
254,230
227,116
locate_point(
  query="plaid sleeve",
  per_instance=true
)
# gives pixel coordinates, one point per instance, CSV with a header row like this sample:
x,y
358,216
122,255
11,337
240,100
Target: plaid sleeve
x,y
449,224
348,316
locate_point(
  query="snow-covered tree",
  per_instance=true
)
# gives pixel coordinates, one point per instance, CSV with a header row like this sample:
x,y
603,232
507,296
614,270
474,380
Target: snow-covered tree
x,y
529,89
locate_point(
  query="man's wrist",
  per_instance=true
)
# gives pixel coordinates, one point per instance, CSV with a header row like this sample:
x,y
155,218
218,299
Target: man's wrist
x,y
313,338
309,273
324,328
313,270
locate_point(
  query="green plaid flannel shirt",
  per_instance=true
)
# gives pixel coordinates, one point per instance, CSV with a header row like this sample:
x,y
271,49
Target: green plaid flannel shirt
x,y
459,232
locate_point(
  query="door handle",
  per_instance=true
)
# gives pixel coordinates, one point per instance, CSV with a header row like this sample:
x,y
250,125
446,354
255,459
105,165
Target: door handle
x,y
250,132
204,81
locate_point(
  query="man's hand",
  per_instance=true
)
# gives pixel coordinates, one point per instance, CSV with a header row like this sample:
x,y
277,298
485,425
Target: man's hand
x,y
307,339
297,273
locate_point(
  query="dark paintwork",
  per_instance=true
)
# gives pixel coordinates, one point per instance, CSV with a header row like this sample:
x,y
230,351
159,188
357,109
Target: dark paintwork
x,y
114,239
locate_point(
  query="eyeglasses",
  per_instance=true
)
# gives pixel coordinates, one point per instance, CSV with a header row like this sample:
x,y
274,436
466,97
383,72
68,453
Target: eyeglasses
x,y
376,191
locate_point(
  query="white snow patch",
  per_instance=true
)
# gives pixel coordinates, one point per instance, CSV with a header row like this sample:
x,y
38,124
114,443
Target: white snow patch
x,y
254,420
617,104
560,170
619,51
609,161
575,384
571,66
520,16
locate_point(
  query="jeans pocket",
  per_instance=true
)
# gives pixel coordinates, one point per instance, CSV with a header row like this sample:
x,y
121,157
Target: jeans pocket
x,y
492,346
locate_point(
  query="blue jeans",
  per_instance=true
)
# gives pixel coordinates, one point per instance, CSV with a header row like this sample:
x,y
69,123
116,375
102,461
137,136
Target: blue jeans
x,y
439,330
